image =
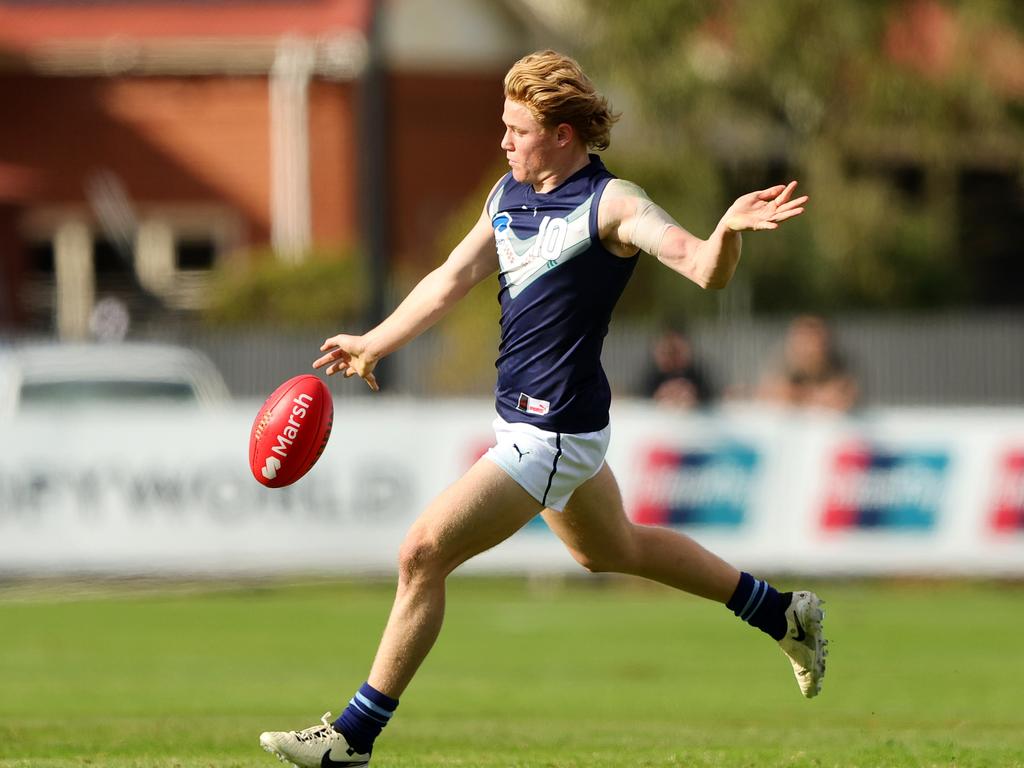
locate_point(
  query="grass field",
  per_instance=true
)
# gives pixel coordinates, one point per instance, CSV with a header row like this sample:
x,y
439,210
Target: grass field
x,y
539,674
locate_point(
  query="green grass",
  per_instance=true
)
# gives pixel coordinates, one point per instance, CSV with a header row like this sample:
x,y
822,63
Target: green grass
x,y
539,674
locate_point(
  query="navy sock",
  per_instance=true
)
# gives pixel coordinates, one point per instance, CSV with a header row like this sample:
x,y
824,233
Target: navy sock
x,y
758,604
364,717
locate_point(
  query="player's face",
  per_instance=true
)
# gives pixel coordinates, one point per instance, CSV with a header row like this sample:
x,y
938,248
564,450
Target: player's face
x,y
528,145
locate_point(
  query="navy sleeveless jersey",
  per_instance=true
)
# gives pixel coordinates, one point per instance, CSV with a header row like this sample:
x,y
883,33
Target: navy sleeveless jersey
x,y
558,286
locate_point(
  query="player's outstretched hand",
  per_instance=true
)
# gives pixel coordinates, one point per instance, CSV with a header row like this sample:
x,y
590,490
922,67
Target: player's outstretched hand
x,y
764,209
348,355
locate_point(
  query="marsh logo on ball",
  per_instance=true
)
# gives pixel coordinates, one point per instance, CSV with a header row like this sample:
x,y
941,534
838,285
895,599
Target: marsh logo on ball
x,y
290,431
271,467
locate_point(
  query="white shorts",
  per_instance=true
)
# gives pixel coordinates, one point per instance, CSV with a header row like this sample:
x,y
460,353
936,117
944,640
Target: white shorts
x,y
549,465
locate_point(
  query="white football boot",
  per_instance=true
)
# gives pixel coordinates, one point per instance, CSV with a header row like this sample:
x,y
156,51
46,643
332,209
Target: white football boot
x,y
319,746
805,643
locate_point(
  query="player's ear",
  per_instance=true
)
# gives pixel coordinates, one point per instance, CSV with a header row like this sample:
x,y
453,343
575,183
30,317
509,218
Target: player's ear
x,y
564,134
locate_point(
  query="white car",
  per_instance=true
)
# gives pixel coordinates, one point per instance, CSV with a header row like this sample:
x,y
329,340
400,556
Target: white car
x,y
69,375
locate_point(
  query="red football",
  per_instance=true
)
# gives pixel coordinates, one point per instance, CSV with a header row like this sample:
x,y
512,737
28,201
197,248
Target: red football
x,y
290,431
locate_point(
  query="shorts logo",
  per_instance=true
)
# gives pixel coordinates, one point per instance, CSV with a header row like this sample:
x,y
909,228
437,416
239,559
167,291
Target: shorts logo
x,y
532,405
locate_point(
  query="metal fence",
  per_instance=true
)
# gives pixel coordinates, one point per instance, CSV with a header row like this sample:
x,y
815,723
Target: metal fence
x,y
949,359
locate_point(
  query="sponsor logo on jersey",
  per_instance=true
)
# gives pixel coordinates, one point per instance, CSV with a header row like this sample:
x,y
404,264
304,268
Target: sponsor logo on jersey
x,y
528,404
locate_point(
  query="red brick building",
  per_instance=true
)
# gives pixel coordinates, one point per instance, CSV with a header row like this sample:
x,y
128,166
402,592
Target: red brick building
x,y
143,142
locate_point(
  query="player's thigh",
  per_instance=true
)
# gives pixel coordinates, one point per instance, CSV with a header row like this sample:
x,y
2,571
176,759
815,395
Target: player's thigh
x,y
593,524
476,512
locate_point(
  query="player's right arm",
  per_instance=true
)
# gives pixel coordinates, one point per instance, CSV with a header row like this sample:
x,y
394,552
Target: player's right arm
x,y
472,260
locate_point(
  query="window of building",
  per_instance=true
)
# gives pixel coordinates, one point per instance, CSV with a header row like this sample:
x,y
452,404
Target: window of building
x,y
194,253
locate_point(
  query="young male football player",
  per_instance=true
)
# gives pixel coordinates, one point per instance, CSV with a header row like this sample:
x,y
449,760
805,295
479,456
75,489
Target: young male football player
x,y
564,236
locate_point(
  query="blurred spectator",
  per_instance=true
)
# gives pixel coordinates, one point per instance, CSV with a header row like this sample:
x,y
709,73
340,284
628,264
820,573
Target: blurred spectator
x,y
811,372
674,378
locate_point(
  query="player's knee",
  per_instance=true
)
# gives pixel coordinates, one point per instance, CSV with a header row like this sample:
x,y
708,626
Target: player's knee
x,y
591,563
419,557
609,559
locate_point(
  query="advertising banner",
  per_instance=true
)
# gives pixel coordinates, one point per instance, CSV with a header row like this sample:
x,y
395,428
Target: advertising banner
x,y
170,491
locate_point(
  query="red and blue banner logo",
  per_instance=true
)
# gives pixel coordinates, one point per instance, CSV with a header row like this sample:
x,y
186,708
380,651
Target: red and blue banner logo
x,y
696,487
1008,511
872,488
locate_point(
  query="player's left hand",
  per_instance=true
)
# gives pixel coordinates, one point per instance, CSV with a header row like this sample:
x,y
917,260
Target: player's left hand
x,y
764,209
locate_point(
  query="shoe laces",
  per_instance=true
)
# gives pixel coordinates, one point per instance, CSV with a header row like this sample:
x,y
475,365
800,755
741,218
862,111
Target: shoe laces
x,y
317,732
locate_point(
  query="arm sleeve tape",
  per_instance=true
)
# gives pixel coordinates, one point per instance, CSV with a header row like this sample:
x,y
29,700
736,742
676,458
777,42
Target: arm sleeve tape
x,y
650,221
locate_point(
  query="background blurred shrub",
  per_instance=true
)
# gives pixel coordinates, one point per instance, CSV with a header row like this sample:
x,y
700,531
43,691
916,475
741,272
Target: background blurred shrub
x,y
326,287
468,336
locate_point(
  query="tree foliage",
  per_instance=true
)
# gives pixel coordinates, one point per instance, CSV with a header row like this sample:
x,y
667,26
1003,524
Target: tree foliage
x,y
876,107
324,288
